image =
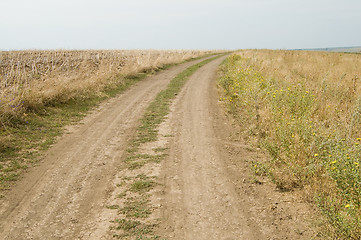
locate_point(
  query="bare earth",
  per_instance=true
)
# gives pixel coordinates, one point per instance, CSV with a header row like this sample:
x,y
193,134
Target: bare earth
x,y
205,190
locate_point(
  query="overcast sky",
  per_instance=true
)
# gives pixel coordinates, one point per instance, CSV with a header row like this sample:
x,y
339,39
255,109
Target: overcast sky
x,y
179,24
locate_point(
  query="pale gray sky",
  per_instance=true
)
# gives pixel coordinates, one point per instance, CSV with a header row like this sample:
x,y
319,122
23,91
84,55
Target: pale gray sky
x,y
179,24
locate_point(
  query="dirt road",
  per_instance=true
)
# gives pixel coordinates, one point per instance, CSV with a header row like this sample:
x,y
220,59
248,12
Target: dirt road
x,y
206,192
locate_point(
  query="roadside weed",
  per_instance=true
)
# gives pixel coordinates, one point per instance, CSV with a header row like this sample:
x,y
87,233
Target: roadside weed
x,y
311,144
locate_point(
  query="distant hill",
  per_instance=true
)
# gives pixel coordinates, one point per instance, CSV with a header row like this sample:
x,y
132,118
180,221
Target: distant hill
x,y
336,49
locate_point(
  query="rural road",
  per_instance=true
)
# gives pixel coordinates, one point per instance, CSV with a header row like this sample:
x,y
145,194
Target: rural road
x,y
205,193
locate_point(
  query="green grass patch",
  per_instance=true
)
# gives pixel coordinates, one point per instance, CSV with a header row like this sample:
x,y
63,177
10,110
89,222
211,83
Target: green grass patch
x,y
141,186
133,228
136,208
137,160
113,207
160,149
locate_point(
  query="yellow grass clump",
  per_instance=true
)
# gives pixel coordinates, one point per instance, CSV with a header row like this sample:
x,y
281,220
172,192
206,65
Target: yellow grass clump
x,y
304,108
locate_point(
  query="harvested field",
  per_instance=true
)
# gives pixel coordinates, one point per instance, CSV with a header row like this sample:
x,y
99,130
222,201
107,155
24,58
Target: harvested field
x,y
31,79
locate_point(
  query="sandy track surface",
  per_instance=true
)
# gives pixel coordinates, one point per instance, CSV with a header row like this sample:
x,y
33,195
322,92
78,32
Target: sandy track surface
x,y
208,193
64,197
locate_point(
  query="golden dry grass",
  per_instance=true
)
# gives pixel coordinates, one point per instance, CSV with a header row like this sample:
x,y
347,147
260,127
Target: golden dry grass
x,y
333,76
304,108
31,79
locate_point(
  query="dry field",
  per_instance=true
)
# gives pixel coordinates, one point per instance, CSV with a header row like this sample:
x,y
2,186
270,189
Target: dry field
x,y
31,79
304,108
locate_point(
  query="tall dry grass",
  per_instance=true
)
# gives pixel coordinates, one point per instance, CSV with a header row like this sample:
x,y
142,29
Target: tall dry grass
x,y
32,79
304,108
